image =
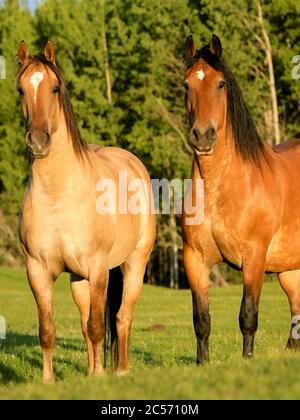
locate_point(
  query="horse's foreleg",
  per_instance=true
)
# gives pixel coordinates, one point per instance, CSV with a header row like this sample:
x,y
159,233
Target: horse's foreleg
x,y
41,285
253,270
98,282
133,275
290,283
81,295
198,277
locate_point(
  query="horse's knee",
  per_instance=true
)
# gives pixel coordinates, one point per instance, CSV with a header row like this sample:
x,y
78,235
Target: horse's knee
x,y
202,325
248,318
124,321
47,335
84,325
201,318
94,331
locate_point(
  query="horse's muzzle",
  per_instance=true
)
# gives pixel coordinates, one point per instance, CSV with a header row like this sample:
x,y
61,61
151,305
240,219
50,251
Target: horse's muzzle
x,y
38,143
203,144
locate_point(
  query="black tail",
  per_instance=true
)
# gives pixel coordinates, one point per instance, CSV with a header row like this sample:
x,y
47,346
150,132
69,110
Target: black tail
x,y
114,300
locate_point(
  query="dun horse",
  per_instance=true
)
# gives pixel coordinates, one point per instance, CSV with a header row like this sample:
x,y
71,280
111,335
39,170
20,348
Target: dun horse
x,y
251,198
60,227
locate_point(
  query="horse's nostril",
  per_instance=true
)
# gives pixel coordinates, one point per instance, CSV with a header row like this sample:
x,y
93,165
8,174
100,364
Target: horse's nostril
x,y
29,138
212,132
196,133
48,136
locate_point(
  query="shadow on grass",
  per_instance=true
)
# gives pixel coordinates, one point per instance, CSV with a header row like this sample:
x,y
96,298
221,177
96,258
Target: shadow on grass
x,y
146,357
7,374
22,349
14,339
186,360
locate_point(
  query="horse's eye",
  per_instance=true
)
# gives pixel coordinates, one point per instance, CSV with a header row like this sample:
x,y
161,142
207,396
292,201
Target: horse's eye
x,y
221,84
21,91
56,89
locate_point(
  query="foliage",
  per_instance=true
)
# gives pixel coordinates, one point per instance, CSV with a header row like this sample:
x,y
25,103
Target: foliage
x,y
15,24
123,64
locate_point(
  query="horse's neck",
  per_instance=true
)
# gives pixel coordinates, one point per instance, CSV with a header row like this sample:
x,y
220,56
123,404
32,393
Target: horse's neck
x,y
227,176
212,168
56,173
221,170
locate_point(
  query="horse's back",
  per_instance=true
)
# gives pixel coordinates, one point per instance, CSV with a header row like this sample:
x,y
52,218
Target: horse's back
x,y
117,159
283,251
288,147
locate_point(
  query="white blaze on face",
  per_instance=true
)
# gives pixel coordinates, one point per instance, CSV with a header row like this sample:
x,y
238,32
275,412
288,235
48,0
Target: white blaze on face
x,y
200,74
35,80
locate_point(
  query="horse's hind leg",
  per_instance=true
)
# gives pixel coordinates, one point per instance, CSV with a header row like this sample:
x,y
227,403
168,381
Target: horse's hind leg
x,y
98,282
290,283
133,271
81,295
41,284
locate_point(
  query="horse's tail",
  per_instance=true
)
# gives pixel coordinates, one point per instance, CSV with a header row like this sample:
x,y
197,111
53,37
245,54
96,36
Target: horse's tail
x,y
114,300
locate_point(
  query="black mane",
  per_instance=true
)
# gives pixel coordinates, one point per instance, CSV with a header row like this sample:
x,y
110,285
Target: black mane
x,y
78,143
247,140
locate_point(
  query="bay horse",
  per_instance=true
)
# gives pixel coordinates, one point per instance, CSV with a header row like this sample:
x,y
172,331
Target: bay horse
x,y
61,228
251,198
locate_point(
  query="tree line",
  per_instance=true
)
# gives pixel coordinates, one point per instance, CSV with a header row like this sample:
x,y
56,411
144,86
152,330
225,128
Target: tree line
x,y
124,68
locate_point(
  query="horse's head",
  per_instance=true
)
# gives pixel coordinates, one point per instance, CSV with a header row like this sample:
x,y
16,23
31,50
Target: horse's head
x,y
206,97
39,89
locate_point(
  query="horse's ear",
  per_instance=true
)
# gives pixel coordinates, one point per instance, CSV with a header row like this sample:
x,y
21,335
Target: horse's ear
x,y
23,54
216,46
49,52
190,49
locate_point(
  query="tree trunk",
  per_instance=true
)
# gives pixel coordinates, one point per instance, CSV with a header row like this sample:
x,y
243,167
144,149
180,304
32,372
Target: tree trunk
x,y
272,85
268,117
174,247
166,271
105,54
216,277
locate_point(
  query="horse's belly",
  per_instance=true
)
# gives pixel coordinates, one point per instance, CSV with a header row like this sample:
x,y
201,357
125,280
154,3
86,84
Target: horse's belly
x,y
284,252
130,230
71,244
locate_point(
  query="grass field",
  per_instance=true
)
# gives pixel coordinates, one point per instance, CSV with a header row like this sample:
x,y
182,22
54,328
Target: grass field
x,y
162,362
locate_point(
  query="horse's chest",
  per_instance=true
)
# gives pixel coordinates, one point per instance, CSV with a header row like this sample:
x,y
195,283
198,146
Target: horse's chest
x,y
227,239
62,235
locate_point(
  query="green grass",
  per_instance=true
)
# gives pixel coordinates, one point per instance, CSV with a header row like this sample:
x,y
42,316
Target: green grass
x,y
162,363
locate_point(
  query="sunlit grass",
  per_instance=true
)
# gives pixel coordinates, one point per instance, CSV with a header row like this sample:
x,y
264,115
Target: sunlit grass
x,y
162,362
